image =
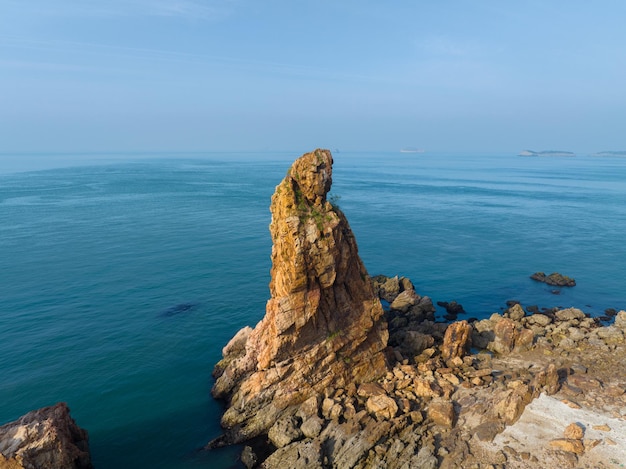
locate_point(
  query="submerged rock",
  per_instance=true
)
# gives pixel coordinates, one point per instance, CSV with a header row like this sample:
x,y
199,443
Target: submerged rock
x,y
45,438
324,326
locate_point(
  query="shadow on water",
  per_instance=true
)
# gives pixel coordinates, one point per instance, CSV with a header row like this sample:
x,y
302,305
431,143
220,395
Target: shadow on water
x,y
141,444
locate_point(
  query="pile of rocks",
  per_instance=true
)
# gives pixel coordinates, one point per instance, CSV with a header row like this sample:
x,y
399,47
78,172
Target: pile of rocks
x,y
443,407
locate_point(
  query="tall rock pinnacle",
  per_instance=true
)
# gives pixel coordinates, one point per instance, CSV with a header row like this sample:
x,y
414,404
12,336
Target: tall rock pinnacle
x,y
324,326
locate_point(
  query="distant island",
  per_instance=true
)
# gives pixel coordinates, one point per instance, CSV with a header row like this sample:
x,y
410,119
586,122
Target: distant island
x,y
546,153
411,150
610,153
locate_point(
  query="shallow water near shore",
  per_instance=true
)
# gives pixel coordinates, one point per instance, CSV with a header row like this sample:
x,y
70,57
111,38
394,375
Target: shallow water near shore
x,y
121,282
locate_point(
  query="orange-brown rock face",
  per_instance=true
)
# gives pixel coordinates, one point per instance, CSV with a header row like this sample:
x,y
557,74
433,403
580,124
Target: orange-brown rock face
x,y
324,325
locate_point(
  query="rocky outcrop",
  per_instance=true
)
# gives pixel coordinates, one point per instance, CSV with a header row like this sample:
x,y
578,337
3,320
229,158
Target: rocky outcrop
x,y
45,438
324,326
328,379
556,279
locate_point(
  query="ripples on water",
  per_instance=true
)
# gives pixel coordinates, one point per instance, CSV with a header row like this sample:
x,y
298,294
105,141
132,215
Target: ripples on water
x,y
92,256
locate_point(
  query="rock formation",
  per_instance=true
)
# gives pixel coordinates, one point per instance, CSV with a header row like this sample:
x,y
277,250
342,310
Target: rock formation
x,y
556,279
44,438
330,380
324,326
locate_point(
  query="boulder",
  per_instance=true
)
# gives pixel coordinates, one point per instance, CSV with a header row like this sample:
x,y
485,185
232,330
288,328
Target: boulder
x,y
284,431
574,431
404,301
441,412
456,340
382,407
388,288
45,438
569,314
414,343
516,312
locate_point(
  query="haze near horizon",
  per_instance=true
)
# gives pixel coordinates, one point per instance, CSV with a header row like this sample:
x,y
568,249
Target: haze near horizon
x,y
240,75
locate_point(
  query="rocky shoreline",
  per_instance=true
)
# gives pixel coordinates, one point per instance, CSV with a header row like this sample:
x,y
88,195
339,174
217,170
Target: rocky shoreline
x,y
332,379
397,389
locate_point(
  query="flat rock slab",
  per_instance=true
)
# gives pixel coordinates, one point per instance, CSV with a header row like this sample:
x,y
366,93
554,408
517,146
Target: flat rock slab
x,y
545,419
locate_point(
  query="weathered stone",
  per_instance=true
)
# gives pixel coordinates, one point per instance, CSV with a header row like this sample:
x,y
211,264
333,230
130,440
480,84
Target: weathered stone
x,y
516,312
414,342
505,334
382,406
441,412
620,320
388,288
306,454
324,326
425,459
547,380
573,431
284,431
456,340
590,443
370,389
311,427
308,408
44,438
511,403
404,301
569,314
427,388
602,428
540,319
584,382
488,430
571,446
610,334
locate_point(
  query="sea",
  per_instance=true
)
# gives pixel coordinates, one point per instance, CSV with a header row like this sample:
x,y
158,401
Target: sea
x,y
123,276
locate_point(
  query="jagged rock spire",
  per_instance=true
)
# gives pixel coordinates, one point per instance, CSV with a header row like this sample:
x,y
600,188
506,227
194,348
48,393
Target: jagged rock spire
x,y
324,325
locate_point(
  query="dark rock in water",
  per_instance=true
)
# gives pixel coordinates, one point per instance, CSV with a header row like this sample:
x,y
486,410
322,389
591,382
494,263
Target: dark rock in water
x,y
555,279
453,308
44,438
178,309
610,312
532,309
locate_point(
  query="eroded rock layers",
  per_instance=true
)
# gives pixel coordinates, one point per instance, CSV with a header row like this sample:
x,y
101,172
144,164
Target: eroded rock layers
x,y
324,325
44,438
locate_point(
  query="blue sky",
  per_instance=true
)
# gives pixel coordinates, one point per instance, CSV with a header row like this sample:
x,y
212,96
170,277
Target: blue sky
x,y
217,75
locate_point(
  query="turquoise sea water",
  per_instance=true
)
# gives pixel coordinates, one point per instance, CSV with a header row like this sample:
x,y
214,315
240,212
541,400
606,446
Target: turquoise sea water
x,y
95,258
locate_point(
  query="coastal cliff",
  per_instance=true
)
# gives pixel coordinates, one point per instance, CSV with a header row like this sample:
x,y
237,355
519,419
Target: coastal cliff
x,y
324,326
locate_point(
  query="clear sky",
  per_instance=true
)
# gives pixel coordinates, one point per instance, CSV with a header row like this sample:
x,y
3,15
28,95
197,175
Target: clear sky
x,y
216,75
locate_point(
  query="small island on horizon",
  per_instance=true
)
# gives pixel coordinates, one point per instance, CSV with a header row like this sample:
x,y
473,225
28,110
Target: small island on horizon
x,y
546,153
